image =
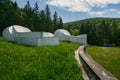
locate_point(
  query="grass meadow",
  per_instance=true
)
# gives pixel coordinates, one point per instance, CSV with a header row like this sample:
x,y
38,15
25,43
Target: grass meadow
x,y
19,62
108,57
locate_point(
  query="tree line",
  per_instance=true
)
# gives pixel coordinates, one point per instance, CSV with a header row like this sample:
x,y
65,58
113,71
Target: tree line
x,y
33,18
100,31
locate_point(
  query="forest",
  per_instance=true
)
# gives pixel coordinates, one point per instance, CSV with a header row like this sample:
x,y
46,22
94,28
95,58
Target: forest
x,y
30,17
100,31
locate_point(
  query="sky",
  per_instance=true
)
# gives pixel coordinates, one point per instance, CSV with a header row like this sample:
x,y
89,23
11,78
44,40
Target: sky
x,y
71,10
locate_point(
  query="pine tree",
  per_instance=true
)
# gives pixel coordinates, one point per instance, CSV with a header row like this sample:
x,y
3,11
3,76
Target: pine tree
x,y
55,21
42,21
60,23
27,7
29,18
15,5
36,17
48,19
36,9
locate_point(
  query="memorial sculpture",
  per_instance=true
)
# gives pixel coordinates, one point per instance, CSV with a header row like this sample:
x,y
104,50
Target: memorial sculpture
x,y
23,35
64,35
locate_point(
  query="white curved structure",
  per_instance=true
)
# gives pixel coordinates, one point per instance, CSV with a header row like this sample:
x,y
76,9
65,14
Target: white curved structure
x,y
47,34
61,32
80,39
8,33
64,35
23,35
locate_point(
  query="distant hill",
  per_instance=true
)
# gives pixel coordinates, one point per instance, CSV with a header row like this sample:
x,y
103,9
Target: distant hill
x,y
100,30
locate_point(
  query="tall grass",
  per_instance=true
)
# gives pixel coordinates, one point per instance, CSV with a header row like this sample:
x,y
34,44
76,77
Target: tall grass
x,y
108,57
19,62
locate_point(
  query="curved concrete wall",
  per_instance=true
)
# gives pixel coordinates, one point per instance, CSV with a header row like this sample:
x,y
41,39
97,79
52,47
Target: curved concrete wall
x,y
81,39
10,32
64,35
30,34
7,36
23,35
37,41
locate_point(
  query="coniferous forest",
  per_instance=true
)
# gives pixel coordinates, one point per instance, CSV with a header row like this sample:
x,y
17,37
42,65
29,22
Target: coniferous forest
x,y
100,31
32,18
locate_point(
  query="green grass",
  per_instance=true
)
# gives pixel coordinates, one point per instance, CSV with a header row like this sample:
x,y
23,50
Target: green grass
x,y
19,62
108,57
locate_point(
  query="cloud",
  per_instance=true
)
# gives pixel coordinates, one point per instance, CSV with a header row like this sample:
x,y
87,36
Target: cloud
x,y
99,13
101,3
70,5
118,12
111,10
83,5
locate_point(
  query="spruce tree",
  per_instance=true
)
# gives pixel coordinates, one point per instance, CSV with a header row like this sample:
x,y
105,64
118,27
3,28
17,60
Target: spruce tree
x,y
48,19
42,21
55,21
36,9
60,23
29,20
27,7
36,17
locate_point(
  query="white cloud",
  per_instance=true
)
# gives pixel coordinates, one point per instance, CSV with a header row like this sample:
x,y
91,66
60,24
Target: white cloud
x,y
111,10
118,12
99,13
83,5
101,3
70,5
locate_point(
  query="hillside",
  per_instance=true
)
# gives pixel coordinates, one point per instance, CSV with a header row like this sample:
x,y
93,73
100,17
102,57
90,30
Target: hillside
x,y
108,57
100,30
19,62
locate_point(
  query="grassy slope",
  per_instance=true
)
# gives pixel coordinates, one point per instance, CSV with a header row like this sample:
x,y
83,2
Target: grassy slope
x,y
108,57
19,62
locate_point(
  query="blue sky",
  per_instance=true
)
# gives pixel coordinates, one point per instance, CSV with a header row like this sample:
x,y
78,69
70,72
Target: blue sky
x,y
71,10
